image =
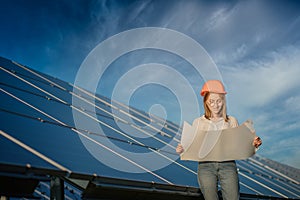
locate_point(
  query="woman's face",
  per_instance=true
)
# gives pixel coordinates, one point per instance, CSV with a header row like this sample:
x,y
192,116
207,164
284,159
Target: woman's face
x,y
215,103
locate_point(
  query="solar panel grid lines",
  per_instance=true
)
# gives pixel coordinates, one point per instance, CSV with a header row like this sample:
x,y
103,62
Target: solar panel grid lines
x,y
147,127
29,83
69,104
52,83
52,122
96,142
27,99
52,99
44,80
260,171
139,113
144,132
29,92
132,139
279,184
118,118
250,188
45,121
123,112
100,108
33,151
160,122
64,124
141,143
27,76
109,105
264,172
118,105
38,75
274,182
275,171
263,185
87,131
135,111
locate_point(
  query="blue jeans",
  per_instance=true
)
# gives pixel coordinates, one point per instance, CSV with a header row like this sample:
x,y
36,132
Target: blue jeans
x,y
209,173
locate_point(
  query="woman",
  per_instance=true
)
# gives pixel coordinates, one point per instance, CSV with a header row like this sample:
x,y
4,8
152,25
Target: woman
x,y
216,118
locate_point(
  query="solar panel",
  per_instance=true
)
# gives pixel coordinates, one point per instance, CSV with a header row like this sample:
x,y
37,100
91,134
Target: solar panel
x,y
38,134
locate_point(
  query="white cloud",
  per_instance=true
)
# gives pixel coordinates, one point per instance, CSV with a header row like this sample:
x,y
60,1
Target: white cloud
x,y
267,90
285,150
258,83
292,104
220,19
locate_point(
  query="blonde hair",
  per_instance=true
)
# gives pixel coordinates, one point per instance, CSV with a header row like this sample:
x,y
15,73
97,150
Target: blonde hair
x,y
207,111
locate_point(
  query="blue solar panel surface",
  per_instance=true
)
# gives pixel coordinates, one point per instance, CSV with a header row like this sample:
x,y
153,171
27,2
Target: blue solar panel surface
x,y
37,128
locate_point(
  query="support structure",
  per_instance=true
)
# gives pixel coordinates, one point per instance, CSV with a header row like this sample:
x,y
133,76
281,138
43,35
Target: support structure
x,y
56,188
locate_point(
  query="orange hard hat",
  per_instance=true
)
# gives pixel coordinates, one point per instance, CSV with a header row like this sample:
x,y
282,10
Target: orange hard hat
x,y
214,86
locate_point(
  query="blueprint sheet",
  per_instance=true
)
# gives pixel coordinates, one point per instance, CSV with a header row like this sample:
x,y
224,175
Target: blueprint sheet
x,y
227,144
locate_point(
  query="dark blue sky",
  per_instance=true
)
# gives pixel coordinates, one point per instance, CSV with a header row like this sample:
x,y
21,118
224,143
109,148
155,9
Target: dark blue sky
x,y
255,45
55,36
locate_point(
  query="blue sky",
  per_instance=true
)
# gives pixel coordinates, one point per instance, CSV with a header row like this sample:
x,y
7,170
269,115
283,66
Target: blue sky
x,y
254,44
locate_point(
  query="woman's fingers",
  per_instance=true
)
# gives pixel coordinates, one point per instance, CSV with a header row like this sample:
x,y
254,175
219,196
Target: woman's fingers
x,y
257,141
179,149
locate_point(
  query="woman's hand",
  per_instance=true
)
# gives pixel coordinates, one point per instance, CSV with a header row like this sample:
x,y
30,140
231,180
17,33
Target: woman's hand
x,y
257,142
179,149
